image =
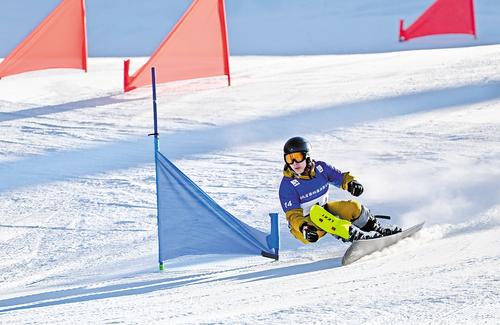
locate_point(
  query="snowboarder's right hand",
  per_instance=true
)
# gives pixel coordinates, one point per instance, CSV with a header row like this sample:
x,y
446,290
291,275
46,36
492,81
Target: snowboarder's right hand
x,y
309,232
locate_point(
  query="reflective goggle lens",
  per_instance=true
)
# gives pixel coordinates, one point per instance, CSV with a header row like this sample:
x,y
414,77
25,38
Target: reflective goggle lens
x,y
297,156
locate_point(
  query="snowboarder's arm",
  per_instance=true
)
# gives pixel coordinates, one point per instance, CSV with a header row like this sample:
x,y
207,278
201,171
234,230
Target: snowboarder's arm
x,y
296,221
350,184
345,181
291,206
295,218
335,176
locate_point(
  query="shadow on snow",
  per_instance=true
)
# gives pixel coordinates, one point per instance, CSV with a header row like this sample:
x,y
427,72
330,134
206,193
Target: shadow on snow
x,y
66,107
81,294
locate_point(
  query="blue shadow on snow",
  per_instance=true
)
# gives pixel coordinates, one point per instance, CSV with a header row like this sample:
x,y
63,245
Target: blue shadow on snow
x,y
81,294
53,109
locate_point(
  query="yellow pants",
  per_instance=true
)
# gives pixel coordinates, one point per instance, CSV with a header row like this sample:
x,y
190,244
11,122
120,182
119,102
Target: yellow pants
x,y
348,210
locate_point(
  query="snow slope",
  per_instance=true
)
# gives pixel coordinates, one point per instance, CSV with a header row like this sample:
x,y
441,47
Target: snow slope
x,y
78,236
420,129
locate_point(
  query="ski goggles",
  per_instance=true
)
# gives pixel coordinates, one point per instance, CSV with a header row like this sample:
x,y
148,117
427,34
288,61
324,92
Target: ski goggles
x,y
295,156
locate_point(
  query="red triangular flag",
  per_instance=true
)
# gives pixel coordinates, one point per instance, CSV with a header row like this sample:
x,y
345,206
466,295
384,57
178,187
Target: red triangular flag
x,y
443,17
196,47
59,41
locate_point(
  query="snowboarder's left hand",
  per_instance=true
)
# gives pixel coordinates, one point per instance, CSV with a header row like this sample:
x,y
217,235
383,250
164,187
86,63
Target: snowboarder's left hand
x,y
355,188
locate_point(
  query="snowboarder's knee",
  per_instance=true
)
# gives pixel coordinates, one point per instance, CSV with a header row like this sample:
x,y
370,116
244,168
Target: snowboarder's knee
x,y
348,210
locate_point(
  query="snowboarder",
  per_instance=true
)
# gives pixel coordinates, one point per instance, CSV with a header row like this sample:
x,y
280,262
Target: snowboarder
x,y
306,183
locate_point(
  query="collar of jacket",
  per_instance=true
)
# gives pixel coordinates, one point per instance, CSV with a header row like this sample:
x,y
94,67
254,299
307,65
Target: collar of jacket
x,y
309,173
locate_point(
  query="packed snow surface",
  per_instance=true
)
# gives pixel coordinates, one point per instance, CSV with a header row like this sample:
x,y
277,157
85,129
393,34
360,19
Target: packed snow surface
x,y
420,129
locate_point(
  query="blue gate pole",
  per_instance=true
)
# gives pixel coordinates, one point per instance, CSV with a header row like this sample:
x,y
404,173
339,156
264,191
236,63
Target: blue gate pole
x,y
157,148
275,234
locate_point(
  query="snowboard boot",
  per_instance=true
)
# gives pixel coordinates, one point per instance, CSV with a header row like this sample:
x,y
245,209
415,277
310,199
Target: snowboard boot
x,y
374,225
358,234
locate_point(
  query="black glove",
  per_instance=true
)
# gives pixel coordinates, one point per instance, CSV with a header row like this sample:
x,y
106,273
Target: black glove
x,y
309,232
355,188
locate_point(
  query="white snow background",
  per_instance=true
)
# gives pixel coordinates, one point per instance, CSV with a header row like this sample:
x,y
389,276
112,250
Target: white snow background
x,y
418,123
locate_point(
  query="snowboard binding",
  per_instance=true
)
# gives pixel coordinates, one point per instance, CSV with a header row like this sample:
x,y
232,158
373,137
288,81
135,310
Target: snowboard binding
x,y
374,225
358,234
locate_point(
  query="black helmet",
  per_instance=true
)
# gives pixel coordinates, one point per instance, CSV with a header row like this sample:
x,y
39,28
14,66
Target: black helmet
x,y
297,144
